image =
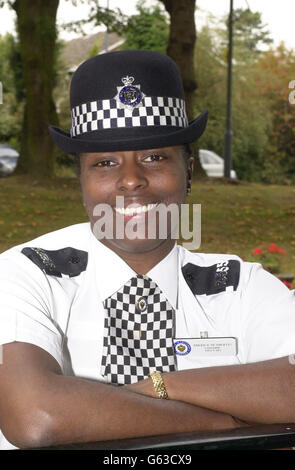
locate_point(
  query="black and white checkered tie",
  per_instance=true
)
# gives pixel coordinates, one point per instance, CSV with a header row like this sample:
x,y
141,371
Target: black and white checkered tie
x,y
138,332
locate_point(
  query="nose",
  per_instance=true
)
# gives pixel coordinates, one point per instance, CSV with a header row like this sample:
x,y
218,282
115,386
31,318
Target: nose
x,y
132,176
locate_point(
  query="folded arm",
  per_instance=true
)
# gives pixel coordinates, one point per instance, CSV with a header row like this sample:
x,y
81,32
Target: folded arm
x,y
39,406
261,392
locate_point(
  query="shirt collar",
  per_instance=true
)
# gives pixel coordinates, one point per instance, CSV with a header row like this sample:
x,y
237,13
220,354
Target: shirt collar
x,y
165,274
112,272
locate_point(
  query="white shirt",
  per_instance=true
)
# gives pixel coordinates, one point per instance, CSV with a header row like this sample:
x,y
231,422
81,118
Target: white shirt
x,y
65,315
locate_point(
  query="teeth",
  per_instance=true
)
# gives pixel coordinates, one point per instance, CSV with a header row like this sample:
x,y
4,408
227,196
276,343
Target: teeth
x,y
134,210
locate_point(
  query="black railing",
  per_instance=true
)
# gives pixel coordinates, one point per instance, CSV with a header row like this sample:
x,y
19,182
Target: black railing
x,y
264,436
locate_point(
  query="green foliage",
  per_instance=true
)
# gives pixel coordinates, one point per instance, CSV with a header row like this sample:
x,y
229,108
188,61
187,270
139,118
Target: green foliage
x,y
10,77
65,159
249,135
250,33
61,99
263,120
15,65
148,29
210,76
274,70
6,72
250,36
114,20
95,48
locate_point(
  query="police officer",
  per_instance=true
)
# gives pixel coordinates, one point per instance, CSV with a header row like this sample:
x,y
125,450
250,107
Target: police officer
x,y
147,320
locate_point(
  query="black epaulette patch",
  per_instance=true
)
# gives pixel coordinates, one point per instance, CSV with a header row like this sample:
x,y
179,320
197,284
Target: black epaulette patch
x,y
68,260
212,279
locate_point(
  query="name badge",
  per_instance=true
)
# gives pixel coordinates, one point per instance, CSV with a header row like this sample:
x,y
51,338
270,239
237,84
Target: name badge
x,y
204,347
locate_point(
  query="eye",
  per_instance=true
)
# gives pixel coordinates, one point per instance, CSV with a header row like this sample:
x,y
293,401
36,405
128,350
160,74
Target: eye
x,y
104,163
154,157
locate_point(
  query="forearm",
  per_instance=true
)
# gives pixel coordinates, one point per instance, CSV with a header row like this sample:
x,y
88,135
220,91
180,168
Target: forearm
x,y
83,411
259,392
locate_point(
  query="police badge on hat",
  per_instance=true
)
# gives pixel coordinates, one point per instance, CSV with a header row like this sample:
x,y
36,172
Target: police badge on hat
x,y
129,96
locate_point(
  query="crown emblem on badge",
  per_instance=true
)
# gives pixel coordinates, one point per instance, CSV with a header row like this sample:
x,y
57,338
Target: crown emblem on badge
x,y
129,96
127,80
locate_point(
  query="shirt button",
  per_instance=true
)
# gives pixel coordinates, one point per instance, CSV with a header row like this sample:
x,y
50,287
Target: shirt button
x,y
141,304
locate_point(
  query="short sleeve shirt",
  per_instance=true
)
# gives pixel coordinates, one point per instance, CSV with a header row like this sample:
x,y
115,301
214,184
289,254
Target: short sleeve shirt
x,y
52,291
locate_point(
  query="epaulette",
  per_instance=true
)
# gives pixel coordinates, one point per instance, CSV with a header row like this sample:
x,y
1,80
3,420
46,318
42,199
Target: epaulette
x,y
69,261
212,279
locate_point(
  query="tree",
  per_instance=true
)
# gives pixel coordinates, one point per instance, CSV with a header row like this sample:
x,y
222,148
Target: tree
x,y
37,35
148,29
250,135
251,128
114,20
250,33
181,46
251,116
36,27
275,69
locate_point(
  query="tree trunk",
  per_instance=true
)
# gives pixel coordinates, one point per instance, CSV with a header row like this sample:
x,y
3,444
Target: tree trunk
x,y
181,47
36,24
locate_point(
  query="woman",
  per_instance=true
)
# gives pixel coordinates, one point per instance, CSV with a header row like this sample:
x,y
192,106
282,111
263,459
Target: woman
x,y
149,322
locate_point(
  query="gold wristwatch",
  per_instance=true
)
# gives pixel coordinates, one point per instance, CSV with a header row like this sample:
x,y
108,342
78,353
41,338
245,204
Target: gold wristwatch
x,y
158,383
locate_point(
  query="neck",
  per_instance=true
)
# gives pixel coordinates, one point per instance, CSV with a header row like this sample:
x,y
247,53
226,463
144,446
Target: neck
x,y
143,261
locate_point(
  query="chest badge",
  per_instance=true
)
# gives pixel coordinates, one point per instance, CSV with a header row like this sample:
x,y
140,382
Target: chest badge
x,y
129,96
182,348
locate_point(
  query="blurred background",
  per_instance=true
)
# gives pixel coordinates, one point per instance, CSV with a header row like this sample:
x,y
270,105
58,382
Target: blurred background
x,y
251,212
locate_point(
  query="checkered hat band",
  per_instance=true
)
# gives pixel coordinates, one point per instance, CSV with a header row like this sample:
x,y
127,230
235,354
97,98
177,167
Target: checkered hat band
x,y
108,114
137,342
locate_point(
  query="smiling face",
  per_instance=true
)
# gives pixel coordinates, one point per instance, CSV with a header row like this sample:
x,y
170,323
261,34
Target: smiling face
x,y
146,178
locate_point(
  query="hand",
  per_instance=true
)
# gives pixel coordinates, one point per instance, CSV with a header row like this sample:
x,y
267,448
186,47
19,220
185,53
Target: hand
x,y
143,387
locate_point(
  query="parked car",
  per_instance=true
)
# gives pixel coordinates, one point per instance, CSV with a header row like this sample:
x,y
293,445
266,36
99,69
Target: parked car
x,y
8,159
213,164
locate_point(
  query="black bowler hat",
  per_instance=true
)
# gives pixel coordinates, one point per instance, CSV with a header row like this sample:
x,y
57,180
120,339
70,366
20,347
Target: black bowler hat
x,y
127,100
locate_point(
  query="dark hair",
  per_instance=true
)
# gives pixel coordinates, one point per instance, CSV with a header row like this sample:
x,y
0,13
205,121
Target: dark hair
x,y
187,153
